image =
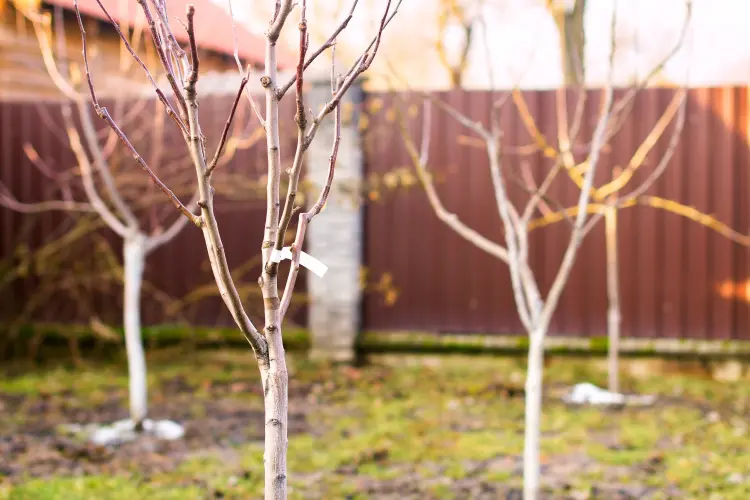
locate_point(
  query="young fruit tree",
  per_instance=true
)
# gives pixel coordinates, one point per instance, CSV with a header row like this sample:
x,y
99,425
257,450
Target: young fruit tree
x,y
183,71
569,20
517,210
95,184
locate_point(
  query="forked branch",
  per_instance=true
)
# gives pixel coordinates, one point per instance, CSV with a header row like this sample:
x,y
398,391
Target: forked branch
x,y
305,134
104,115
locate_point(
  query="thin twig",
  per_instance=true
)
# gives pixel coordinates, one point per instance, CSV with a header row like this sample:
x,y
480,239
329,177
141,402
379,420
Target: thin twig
x,y
104,114
195,61
326,45
174,46
225,132
307,217
301,118
12,203
239,65
167,105
627,100
461,118
156,240
162,54
362,63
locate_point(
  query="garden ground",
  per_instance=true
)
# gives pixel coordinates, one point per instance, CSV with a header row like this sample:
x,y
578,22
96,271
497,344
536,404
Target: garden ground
x,y
400,427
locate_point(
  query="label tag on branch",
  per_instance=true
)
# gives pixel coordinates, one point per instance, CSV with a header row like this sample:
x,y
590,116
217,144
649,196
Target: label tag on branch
x,y
305,260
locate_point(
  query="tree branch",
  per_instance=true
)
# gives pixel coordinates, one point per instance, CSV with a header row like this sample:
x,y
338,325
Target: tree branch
x,y
84,164
239,65
307,217
157,240
420,159
364,62
89,135
208,222
104,114
674,140
643,150
576,237
326,45
12,203
284,9
301,118
167,105
222,141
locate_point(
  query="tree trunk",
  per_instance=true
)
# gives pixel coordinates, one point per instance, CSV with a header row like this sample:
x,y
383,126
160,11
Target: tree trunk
x,y
276,412
134,256
276,394
276,380
571,29
533,412
613,298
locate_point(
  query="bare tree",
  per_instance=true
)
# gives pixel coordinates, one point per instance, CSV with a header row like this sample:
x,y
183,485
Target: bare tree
x,y
569,20
455,12
612,189
183,72
535,310
610,212
94,185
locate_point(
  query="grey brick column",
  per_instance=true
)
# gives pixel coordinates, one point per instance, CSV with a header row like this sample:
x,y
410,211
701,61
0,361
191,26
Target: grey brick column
x,y
335,235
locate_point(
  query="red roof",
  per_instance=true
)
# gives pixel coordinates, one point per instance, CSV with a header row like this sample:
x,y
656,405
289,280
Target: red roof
x,y
213,28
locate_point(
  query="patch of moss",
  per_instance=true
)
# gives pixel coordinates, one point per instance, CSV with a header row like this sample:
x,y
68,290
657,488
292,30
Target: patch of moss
x,y
599,344
88,487
295,339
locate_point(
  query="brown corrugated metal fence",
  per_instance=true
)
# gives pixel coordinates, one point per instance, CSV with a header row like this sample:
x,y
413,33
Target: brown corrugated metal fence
x,y
678,278
173,271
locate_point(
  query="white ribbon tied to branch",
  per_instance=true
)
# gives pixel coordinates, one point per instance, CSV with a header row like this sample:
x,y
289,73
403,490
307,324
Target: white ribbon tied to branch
x,y
305,260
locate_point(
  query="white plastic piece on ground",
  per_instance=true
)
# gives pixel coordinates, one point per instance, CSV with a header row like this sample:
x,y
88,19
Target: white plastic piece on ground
x,y
121,431
124,431
587,393
305,260
165,429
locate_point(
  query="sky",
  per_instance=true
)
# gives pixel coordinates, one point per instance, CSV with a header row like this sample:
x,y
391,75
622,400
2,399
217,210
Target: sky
x,y
523,41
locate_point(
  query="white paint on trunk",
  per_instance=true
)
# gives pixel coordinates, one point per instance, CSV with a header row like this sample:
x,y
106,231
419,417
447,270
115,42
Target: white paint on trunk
x,y
277,410
613,297
134,257
533,414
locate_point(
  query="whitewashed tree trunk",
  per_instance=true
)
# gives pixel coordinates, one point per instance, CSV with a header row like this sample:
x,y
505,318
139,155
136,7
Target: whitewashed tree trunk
x,y
533,414
276,401
134,257
613,298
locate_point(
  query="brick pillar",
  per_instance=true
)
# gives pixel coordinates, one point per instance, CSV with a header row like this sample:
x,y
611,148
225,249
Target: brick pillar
x,y
335,235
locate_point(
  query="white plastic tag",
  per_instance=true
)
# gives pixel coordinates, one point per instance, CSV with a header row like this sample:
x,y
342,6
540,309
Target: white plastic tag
x,y
305,260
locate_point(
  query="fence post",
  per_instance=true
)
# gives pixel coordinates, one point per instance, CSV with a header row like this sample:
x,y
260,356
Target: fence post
x,y
335,236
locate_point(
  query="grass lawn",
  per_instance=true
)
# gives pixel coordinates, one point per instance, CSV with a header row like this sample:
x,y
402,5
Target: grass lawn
x,y
402,427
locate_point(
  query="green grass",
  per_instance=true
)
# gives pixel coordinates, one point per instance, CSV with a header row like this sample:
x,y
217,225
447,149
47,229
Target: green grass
x,y
437,420
85,488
